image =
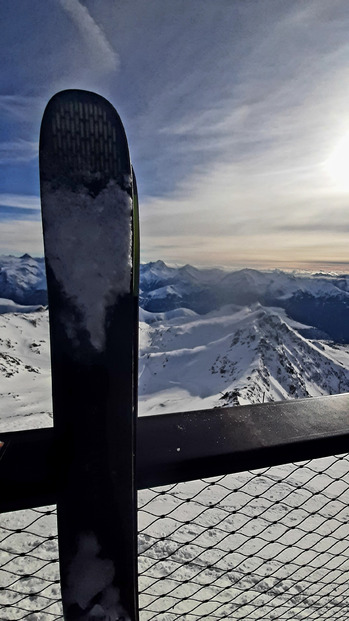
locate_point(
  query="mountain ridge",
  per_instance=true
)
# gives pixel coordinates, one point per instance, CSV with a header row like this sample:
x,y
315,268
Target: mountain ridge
x,y
234,357
318,300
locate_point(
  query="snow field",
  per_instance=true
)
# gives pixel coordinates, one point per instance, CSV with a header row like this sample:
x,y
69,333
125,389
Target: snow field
x,y
187,362
230,357
25,371
268,544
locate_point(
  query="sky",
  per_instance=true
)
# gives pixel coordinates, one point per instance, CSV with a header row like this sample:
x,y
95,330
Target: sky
x,y
236,113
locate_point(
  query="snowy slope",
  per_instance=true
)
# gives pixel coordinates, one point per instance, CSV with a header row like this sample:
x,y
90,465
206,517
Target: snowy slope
x,y
233,357
187,361
9,306
275,341
25,372
23,279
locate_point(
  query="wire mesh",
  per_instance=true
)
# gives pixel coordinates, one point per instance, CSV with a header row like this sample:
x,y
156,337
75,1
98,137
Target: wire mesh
x,y
266,544
29,570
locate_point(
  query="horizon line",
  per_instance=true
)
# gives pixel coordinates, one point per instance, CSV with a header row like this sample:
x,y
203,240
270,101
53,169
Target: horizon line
x,y
328,266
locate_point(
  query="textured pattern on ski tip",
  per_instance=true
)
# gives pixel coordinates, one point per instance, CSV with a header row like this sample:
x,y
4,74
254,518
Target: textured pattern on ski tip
x,y
85,142
82,135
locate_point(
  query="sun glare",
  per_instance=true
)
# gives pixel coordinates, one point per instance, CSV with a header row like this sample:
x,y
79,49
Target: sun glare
x,y
337,164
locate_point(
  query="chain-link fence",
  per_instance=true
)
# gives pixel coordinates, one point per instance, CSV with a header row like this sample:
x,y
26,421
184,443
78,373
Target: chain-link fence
x,y
29,571
268,544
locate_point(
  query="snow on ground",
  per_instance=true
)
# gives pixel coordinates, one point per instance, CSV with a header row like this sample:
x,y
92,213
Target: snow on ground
x,y
9,306
25,371
266,545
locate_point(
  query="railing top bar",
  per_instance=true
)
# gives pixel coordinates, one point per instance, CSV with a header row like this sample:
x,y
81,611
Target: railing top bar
x,y
30,463
186,446
192,445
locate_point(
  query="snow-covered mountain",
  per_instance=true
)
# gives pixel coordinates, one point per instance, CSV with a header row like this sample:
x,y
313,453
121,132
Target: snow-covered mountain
x,y
25,371
234,356
320,300
279,336
23,280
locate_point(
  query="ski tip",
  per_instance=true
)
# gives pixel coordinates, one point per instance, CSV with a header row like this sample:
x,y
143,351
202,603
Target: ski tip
x,y
73,96
82,136
78,93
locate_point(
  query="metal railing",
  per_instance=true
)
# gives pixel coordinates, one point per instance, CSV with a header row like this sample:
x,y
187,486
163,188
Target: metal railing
x,y
229,527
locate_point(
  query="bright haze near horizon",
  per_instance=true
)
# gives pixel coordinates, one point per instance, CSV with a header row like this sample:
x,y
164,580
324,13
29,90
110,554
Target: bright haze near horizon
x,y
237,116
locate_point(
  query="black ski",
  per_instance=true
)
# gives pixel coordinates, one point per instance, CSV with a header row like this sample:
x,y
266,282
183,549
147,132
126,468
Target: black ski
x,y
90,233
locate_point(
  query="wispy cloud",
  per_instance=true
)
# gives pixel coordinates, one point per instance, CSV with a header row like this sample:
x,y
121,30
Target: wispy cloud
x,y
93,34
273,95
18,151
21,236
20,201
236,213
19,107
230,111
245,161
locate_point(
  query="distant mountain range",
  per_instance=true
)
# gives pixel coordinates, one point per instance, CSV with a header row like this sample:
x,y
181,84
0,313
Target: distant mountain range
x,y
208,337
23,280
319,300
